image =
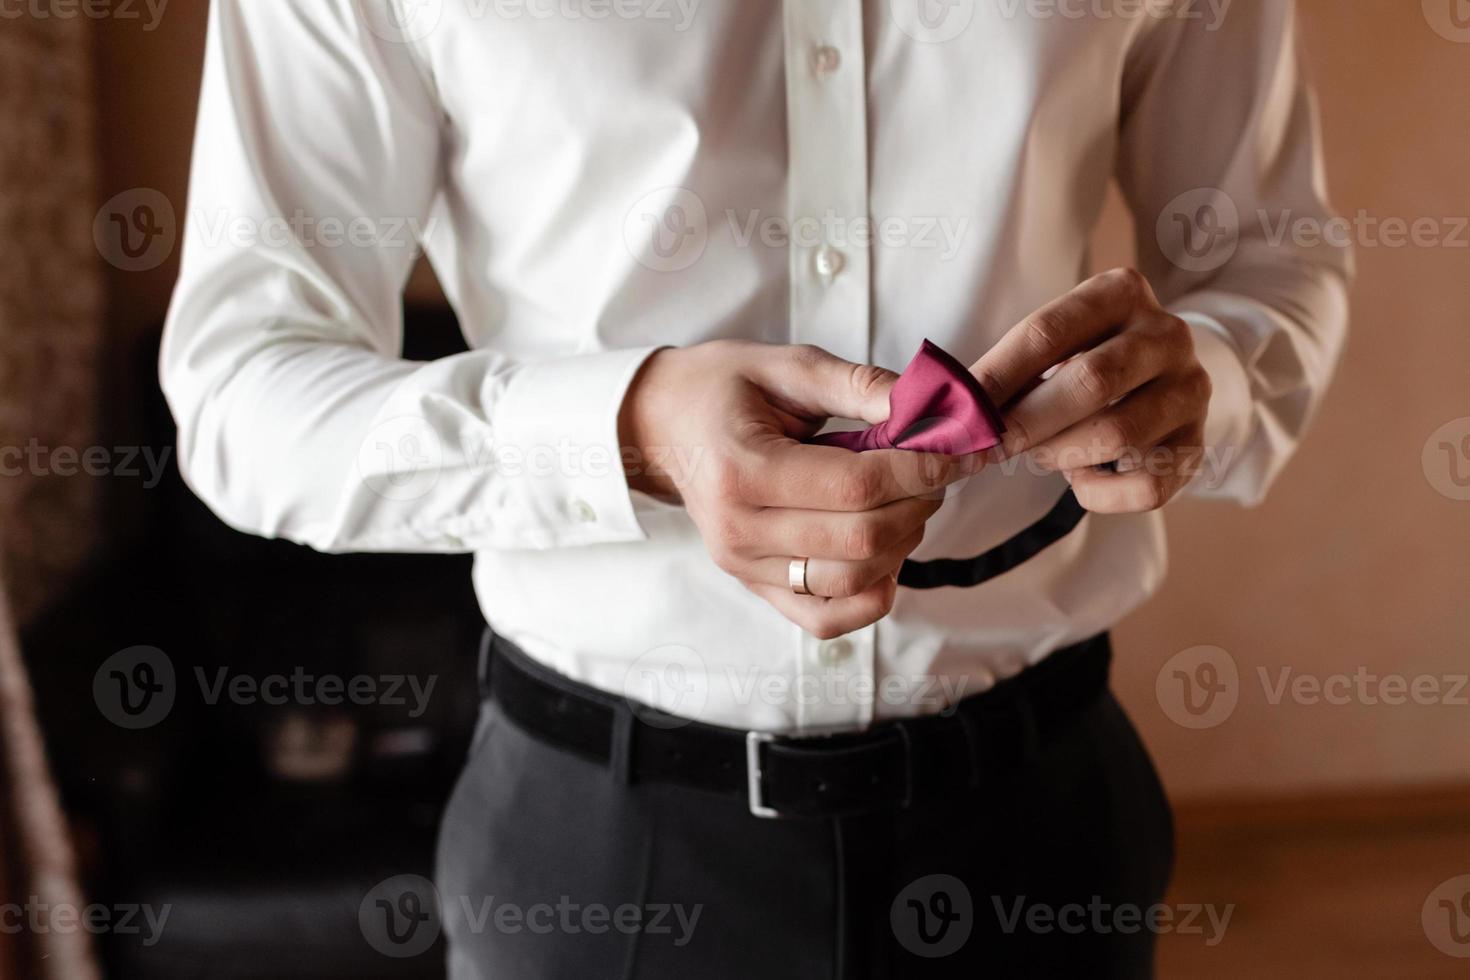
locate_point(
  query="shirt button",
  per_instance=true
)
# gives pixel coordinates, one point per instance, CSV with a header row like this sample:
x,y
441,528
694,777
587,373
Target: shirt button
x,y
834,652
826,60
581,510
829,262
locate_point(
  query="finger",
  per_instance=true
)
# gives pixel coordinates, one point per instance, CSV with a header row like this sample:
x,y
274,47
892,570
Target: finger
x,y
1143,419
738,538
835,579
785,473
839,536
1160,474
809,382
1060,329
828,619
1087,384
846,551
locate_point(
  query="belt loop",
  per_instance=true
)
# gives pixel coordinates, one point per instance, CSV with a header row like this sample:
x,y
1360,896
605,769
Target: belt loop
x,y
620,754
1030,738
482,670
972,747
909,763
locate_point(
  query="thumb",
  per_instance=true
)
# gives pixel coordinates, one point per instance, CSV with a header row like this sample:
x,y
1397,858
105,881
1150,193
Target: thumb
x,y
812,383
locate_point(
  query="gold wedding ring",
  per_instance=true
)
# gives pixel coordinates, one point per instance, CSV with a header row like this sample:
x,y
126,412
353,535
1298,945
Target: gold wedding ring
x,y
796,575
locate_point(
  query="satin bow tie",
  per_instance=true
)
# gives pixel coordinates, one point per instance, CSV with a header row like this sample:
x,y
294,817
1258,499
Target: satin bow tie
x,y
936,406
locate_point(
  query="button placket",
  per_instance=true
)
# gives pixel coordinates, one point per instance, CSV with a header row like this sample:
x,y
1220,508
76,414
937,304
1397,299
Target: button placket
x,y
837,688
830,269
827,181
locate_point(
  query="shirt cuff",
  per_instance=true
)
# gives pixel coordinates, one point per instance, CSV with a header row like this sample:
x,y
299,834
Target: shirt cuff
x,y
558,456
1227,427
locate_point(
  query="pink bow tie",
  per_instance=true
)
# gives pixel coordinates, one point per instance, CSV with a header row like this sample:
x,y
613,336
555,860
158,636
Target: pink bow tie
x,y
936,406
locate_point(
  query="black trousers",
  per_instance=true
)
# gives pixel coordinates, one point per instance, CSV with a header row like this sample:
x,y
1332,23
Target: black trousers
x,y
552,866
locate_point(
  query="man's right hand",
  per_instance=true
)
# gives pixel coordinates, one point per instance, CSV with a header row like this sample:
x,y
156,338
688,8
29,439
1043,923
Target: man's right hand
x,y
720,426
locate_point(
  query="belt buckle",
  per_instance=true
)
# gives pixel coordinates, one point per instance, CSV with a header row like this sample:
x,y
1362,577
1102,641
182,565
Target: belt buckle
x,y
753,743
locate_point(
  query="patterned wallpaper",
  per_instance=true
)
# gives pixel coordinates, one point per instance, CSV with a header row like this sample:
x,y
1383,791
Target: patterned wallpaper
x,y
50,304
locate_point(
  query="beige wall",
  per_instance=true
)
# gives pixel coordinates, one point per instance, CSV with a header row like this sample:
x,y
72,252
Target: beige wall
x,y
1355,561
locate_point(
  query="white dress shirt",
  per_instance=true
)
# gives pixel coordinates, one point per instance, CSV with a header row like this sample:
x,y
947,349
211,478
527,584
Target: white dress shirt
x,y
593,178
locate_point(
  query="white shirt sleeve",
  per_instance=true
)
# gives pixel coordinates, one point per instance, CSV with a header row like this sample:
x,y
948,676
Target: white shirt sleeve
x,y
317,155
1221,165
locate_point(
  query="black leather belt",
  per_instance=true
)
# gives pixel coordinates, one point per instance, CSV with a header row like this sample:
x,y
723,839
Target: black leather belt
x,y
893,764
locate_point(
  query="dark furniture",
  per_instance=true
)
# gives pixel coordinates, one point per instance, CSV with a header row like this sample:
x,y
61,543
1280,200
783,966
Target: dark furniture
x,y
263,869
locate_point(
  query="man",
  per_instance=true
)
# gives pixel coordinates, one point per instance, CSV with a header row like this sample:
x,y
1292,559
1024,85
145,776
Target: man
x,y
722,735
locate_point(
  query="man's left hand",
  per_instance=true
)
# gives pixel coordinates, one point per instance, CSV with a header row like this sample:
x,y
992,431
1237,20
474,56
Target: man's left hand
x,y
1123,413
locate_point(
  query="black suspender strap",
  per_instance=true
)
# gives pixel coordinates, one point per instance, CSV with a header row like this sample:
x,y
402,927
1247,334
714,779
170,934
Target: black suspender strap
x,y
967,573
